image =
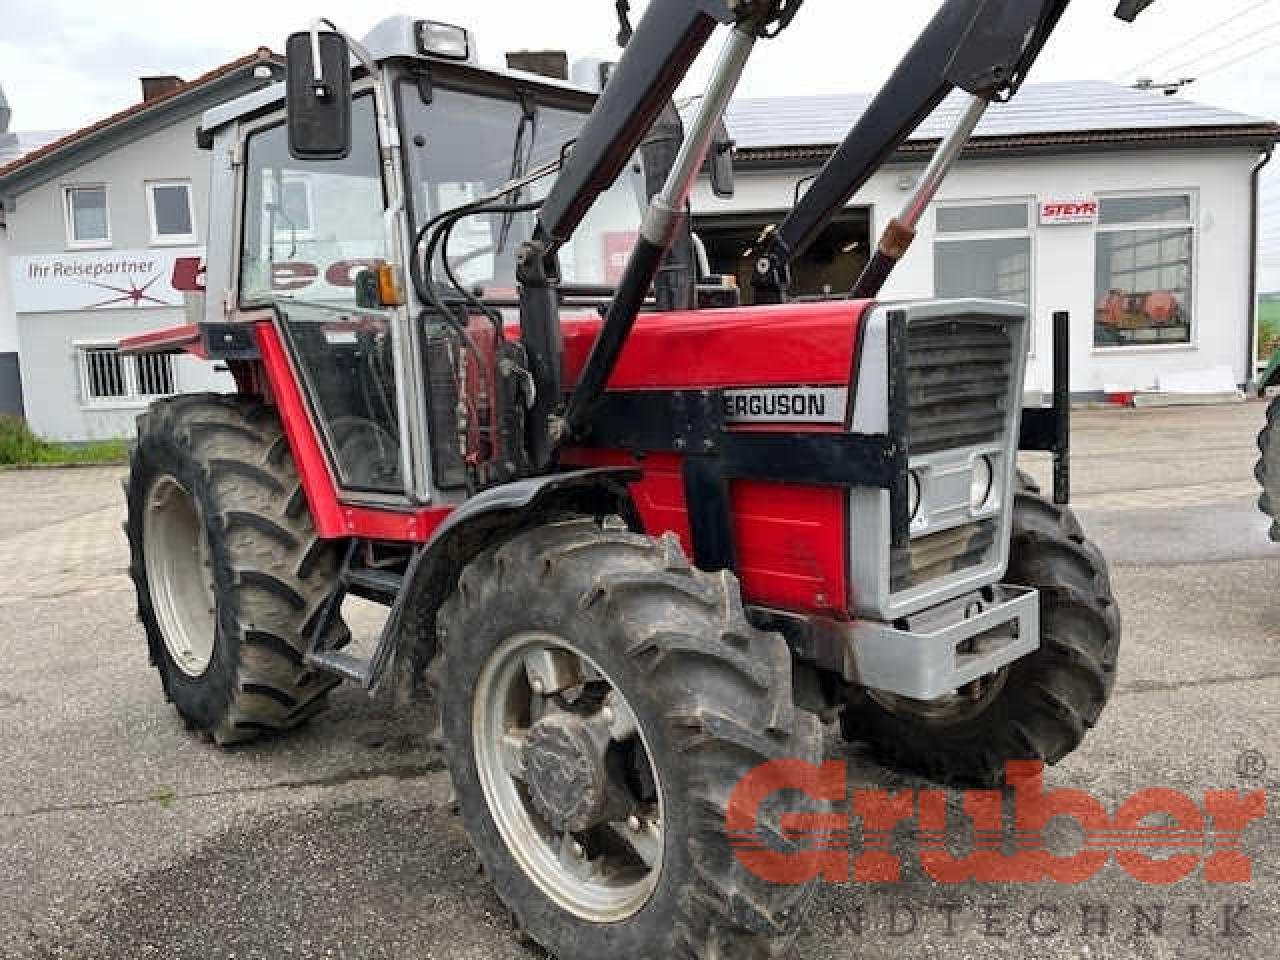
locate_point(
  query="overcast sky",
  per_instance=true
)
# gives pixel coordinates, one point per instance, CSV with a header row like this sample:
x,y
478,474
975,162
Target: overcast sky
x,y
65,63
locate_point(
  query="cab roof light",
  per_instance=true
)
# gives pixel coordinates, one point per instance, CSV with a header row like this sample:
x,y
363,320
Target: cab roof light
x,y
443,40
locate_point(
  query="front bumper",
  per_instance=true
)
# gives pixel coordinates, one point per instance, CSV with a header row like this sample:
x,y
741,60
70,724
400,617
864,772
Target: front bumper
x,y
926,655
937,651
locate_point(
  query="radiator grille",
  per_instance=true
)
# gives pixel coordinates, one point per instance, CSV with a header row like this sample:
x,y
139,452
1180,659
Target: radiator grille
x,y
942,554
958,375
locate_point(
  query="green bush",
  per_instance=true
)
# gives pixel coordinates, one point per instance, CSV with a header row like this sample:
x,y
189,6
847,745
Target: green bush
x,y
1268,327
20,447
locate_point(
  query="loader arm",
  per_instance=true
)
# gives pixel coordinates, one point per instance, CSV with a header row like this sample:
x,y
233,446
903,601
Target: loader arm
x,y
984,47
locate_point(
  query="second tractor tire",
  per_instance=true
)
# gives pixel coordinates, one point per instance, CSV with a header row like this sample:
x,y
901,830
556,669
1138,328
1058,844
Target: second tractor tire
x,y
1048,700
225,464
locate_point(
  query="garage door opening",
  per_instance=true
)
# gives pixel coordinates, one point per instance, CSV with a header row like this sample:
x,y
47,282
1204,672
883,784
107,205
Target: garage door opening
x,y
828,268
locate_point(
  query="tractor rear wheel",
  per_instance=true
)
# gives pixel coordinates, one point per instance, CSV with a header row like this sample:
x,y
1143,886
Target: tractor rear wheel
x,y
1268,469
1040,707
601,699
227,566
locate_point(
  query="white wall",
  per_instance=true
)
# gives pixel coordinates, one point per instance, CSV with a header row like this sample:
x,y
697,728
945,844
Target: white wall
x,y
8,321
50,378
1063,256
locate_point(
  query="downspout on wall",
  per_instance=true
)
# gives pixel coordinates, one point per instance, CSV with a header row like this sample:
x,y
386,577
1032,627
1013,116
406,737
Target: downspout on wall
x,y
1251,361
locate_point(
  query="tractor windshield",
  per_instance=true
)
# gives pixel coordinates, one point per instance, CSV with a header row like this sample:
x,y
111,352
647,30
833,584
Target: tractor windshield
x,y
462,146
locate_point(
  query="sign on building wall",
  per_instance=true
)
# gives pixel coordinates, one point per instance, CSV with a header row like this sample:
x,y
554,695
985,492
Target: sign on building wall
x,y
1055,213
101,280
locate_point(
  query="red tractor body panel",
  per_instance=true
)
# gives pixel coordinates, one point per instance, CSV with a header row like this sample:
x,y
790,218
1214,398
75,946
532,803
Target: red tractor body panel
x,y
792,541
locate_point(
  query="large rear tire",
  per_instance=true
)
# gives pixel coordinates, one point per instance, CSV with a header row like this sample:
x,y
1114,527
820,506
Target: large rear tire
x,y
1041,707
227,567
711,699
1267,469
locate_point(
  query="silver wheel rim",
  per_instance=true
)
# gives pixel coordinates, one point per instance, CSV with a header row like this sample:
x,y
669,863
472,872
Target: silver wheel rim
x,y
180,575
603,875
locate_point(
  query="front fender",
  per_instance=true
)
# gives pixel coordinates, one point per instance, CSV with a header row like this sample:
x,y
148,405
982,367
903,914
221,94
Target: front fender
x,y
486,518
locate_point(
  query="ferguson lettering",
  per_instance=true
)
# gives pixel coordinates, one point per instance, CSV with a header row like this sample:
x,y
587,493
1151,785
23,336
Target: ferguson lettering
x,y
786,405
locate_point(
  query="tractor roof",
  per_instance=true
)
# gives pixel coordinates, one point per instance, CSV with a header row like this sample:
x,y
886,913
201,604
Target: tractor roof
x,y
394,38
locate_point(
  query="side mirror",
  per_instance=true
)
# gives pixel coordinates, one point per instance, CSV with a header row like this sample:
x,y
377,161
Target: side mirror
x,y
723,180
318,95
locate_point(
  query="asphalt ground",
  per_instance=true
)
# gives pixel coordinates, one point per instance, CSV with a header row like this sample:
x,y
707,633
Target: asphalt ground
x,y
122,835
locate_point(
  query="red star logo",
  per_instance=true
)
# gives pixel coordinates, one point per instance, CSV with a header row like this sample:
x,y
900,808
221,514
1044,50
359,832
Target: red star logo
x,y
133,296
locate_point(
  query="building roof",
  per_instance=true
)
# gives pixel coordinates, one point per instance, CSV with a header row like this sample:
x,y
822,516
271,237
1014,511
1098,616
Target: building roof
x,y
1085,114
31,167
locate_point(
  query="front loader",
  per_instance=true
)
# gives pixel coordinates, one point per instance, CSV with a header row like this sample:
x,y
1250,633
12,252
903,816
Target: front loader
x,y
635,538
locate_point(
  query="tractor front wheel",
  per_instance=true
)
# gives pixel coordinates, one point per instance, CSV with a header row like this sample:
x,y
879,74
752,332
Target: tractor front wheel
x,y
1040,707
1268,468
227,566
601,699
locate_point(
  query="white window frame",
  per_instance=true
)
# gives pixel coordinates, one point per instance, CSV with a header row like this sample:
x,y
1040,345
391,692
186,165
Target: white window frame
x,y
133,397
69,222
170,239
1193,224
1028,232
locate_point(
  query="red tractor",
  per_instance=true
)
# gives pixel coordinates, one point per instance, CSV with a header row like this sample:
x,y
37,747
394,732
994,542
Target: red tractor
x,y
638,539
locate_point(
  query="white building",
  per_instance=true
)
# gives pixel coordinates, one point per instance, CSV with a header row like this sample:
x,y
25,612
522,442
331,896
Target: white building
x,y
96,223
1133,211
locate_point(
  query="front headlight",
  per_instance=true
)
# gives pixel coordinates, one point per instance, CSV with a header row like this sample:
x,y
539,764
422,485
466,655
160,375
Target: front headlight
x,y
981,482
913,495
443,40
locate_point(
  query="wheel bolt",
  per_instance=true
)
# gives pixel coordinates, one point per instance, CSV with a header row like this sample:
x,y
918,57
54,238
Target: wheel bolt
x,y
578,850
538,686
607,715
634,824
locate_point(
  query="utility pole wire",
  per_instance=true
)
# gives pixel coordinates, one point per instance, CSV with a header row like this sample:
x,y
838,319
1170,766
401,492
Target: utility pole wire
x,y
1231,63
1199,36
1226,46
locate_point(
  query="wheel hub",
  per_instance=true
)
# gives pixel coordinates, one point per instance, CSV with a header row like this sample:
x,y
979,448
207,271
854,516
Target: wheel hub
x,y
568,783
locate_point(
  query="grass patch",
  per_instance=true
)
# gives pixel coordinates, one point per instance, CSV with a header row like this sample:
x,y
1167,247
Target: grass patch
x,y
20,447
1268,327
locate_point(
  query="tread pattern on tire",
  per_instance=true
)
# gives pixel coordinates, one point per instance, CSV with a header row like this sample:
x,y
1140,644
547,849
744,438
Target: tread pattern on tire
x,y
278,571
725,687
1267,469
1052,698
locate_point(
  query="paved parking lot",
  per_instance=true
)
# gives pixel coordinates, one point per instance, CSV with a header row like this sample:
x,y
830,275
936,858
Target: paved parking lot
x,y
122,835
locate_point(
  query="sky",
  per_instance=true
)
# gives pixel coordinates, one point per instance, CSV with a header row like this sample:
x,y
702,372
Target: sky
x,y
65,63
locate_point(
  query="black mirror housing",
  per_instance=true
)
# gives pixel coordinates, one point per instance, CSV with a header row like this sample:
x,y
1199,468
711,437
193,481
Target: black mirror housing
x,y
723,179
1130,9
318,101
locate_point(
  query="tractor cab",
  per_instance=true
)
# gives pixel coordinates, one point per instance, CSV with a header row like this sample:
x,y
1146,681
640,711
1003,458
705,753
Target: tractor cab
x,y
337,185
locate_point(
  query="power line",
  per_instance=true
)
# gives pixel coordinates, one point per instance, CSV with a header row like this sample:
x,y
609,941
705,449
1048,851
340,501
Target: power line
x,y
1226,46
1200,35
1232,62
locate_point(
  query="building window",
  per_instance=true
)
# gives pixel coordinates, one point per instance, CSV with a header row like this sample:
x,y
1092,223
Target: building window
x,y
1145,253
87,216
108,378
169,207
984,250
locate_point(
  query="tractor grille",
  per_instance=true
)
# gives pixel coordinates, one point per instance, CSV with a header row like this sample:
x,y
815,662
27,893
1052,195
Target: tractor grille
x,y
958,375
942,554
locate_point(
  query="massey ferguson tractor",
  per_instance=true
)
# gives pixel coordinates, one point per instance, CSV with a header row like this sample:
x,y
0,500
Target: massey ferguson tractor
x,y
636,539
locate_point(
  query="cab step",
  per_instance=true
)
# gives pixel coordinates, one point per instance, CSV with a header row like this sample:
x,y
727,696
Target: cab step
x,y
343,665
372,583
380,586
